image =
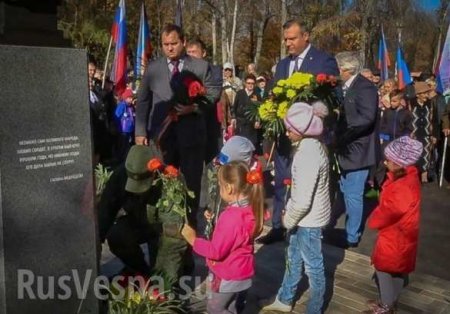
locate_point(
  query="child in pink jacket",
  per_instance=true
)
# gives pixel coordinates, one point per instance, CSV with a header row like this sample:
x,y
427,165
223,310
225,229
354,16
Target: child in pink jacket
x,y
230,253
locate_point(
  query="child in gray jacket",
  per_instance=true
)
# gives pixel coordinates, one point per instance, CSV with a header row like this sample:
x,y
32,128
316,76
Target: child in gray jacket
x,y
308,208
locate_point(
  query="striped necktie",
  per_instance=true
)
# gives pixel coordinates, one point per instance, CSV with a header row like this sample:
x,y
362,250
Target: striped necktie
x,y
175,69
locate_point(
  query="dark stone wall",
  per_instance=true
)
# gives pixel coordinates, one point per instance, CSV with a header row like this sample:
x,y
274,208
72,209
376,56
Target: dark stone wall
x,y
30,23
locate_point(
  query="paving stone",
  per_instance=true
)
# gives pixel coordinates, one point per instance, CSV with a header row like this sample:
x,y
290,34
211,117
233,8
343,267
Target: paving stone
x,y
338,307
445,309
367,294
436,296
368,286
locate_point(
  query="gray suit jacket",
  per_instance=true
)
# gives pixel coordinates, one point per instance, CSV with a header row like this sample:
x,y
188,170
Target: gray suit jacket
x,y
155,100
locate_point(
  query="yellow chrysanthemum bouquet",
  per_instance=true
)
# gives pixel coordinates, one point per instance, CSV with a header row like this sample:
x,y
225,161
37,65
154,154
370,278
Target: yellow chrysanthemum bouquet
x,y
298,87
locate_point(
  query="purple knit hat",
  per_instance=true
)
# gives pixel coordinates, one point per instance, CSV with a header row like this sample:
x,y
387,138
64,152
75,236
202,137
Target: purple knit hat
x,y
305,119
404,151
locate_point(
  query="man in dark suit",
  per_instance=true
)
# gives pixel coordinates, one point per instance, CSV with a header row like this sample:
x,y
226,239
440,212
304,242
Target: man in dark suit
x,y
244,99
358,147
303,57
184,143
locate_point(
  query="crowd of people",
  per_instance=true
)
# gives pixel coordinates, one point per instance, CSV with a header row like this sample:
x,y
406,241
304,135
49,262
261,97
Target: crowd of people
x,y
383,137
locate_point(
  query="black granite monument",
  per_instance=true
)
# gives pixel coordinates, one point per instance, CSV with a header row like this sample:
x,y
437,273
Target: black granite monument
x,y
48,245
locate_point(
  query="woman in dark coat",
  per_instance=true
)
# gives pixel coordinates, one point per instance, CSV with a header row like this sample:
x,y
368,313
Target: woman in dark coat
x,y
423,119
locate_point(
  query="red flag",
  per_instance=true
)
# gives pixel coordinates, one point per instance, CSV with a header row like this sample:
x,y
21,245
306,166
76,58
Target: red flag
x,y
119,35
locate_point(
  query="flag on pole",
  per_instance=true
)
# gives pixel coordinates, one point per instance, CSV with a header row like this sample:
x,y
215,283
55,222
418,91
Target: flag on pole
x,y
443,73
115,25
383,58
403,75
119,34
179,14
144,45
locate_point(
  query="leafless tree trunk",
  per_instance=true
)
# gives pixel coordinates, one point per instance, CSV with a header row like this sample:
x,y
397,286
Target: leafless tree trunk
x,y
283,20
233,33
262,24
214,38
224,27
370,6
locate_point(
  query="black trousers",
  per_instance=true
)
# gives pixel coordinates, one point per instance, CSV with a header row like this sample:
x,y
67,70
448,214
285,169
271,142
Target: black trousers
x,y
190,161
124,240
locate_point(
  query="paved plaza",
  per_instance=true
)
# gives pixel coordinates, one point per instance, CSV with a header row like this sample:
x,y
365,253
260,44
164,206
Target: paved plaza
x,y
348,272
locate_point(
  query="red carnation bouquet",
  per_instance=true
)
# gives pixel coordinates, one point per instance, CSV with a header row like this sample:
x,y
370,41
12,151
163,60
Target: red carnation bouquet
x,y
188,89
174,190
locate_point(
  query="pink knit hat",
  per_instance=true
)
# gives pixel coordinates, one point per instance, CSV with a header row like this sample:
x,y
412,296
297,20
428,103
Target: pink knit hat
x,y
404,151
305,119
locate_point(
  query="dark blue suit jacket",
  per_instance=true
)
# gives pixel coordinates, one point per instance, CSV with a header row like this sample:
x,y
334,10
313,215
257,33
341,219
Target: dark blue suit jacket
x,y
358,144
315,62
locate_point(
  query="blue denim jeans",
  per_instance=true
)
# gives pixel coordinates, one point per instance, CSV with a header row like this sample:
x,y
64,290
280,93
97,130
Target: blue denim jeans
x,y
305,249
352,187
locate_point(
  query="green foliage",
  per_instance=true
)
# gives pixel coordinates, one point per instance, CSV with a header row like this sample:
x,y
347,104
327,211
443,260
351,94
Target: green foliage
x,y
213,195
174,195
143,302
146,299
102,176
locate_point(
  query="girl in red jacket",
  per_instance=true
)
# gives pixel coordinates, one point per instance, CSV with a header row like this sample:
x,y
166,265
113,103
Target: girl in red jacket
x,y
397,221
230,252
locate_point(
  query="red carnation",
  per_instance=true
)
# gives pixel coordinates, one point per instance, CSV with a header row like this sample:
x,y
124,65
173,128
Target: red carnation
x,y
171,171
154,164
254,177
195,89
333,80
321,78
267,215
287,182
157,296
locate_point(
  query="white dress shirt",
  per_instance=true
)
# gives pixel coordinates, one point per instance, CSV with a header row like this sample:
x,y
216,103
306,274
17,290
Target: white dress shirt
x,y
299,59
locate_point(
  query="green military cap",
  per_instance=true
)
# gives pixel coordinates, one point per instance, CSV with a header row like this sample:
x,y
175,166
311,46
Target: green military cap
x,y
139,178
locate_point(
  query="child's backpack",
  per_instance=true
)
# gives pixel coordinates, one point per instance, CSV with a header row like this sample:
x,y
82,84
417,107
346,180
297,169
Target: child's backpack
x,y
125,114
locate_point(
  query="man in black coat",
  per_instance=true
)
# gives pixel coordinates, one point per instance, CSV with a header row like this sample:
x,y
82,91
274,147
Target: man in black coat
x,y
196,48
243,100
102,106
358,146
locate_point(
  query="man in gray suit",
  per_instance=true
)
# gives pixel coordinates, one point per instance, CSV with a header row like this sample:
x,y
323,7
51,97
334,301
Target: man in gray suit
x,y
184,141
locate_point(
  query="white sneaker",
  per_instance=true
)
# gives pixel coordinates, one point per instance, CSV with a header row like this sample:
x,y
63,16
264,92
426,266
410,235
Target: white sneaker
x,y
277,305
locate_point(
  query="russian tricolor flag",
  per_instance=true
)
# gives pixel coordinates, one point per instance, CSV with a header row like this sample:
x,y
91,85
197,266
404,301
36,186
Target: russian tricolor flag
x,y
144,45
403,75
383,58
119,35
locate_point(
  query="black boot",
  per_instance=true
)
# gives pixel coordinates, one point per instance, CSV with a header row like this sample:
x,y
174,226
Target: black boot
x,y
274,235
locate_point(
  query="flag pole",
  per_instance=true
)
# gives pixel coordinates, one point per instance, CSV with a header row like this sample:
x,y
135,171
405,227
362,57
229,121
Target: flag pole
x,y
106,61
444,153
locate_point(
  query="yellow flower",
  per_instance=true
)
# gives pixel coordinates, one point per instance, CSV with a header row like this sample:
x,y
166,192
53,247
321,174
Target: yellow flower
x,y
291,93
277,91
136,297
299,80
282,109
281,83
267,110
